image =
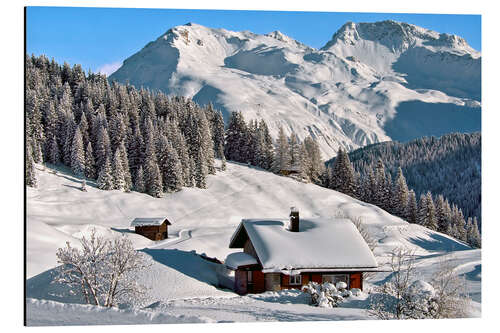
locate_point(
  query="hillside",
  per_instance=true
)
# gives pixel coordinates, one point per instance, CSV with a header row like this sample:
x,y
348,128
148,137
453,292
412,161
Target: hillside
x,y
372,82
449,165
203,221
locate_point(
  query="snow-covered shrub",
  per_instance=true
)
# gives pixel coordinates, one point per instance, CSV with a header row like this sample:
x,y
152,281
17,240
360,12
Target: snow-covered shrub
x,y
346,293
405,297
356,291
341,285
323,295
103,270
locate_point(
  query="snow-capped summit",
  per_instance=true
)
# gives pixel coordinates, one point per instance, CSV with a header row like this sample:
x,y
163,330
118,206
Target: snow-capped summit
x,y
368,84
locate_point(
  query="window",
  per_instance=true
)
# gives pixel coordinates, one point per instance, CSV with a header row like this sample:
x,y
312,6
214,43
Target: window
x,y
249,277
334,278
296,279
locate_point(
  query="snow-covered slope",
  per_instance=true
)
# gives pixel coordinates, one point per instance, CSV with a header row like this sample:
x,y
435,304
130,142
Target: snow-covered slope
x,y
343,94
203,221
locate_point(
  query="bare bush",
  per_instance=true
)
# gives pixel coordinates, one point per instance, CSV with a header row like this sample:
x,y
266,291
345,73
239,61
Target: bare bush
x,y
103,271
405,297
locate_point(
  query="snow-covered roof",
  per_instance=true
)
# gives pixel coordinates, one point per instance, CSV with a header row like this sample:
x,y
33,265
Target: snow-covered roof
x,y
320,243
238,259
144,221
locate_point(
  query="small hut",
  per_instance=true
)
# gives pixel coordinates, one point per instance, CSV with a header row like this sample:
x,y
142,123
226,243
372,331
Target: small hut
x,y
292,170
154,228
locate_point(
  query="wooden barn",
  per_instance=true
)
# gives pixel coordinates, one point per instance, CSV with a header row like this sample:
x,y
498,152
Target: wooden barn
x,y
281,254
292,170
154,228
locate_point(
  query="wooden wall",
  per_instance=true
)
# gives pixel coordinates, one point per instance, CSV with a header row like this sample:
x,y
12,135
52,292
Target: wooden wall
x,y
153,232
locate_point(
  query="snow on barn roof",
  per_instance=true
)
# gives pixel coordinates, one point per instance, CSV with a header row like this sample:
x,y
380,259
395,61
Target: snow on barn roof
x,y
144,221
319,244
238,259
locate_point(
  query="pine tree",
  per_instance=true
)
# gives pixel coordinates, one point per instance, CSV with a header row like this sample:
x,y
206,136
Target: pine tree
x,y
173,174
236,145
401,195
54,155
70,127
267,146
473,235
317,166
153,179
30,177
223,165
103,148
206,142
459,222
105,178
118,174
217,132
200,171
139,184
90,165
127,177
305,163
380,194
342,176
412,207
294,151
281,154
78,155
427,214
441,217
431,221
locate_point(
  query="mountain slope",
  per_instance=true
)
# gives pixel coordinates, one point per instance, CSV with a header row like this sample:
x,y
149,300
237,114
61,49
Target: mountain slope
x,y
203,222
343,94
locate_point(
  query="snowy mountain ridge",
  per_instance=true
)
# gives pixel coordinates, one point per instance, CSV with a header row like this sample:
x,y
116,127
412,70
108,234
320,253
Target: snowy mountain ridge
x,y
356,90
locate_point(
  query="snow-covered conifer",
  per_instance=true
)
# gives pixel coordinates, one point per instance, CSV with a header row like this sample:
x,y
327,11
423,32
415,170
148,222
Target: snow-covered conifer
x,y
30,177
153,179
401,195
105,178
281,152
117,171
413,216
139,184
78,154
102,150
90,165
127,177
70,127
54,155
473,235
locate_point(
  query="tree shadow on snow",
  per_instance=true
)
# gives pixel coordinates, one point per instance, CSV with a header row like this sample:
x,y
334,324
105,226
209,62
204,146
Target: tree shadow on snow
x,y
188,263
41,286
439,242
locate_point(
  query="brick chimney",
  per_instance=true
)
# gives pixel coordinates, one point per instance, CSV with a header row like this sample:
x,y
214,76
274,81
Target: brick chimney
x,y
294,220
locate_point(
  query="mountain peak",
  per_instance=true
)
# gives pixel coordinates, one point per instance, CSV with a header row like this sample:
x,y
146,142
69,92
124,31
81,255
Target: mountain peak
x,y
279,36
397,37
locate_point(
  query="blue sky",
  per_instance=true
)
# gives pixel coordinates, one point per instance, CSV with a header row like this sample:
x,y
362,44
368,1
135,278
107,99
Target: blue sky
x,y
101,38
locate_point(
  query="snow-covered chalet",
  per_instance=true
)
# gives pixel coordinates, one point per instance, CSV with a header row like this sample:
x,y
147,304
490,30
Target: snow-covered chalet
x,y
279,254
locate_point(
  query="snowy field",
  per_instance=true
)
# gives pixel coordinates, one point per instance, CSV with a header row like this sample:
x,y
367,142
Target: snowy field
x,y
202,223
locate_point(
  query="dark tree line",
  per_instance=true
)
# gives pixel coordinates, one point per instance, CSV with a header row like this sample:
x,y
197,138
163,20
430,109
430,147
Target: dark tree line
x,y
449,165
122,137
251,143
377,187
